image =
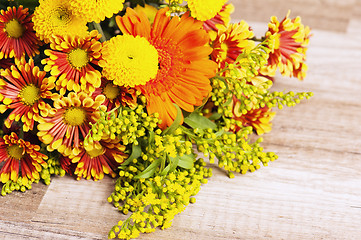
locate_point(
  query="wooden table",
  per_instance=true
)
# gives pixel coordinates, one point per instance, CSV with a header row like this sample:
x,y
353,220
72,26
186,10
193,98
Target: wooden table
x,y
313,191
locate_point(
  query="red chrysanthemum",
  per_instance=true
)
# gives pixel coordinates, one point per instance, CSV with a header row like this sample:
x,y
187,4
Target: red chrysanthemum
x,y
20,157
260,119
67,128
231,42
17,36
24,90
102,158
183,56
72,60
291,39
116,96
6,63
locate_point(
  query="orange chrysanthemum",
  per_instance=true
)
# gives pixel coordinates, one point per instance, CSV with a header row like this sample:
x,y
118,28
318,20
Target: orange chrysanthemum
x,y
116,96
72,60
231,42
25,89
66,129
291,39
103,158
183,56
221,20
17,36
20,156
260,119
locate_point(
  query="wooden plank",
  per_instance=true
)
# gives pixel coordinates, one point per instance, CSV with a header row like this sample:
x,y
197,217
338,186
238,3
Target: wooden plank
x,y
326,14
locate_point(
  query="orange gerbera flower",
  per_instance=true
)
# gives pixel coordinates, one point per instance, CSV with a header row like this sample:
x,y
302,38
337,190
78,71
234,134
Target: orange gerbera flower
x,y
17,36
25,90
221,20
20,155
183,60
260,119
104,157
116,96
66,129
231,42
72,59
291,39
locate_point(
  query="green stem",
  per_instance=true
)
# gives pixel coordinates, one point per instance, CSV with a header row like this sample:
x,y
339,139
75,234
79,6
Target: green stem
x,y
100,30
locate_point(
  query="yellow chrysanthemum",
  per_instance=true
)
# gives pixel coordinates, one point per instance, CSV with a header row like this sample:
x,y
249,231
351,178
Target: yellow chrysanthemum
x,y
96,10
56,18
129,61
220,21
205,9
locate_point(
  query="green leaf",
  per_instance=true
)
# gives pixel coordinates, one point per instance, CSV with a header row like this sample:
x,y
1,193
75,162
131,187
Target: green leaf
x,y
173,163
136,152
176,123
215,116
186,161
194,120
150,170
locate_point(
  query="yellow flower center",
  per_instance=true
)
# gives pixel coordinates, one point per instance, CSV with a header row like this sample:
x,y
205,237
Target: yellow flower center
x,y
111,91
129,60
78,58
15,151
95,152
74,116
60,16
29,94
14,29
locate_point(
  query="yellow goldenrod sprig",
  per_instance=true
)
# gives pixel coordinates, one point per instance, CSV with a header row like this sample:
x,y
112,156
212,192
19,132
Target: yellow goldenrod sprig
x,y
11,186
234,151
53,168
154,201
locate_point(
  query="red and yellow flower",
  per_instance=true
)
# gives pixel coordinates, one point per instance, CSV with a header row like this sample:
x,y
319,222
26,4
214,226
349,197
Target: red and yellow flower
x,y
115,95
17,37
291,39
25,90
259,119
183,65
72,60
221,20
21,158
68,126
6,63
101,158
231,42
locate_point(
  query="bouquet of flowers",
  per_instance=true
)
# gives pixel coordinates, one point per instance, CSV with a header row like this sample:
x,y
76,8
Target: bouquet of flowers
x,y
136,90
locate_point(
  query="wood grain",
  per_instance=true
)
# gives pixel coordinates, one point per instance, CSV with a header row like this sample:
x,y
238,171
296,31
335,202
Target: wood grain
x,y
313,191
